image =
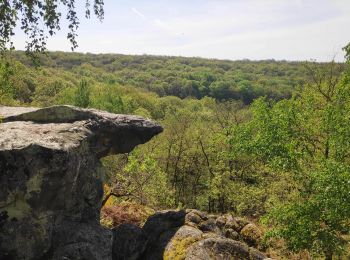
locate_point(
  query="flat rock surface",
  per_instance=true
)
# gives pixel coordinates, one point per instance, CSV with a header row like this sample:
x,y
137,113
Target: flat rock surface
x,y
65,127
18,135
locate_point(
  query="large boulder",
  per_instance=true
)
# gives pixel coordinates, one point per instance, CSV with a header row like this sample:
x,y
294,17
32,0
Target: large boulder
x,y
251,234
176,235
220,248
129,242
159,230
51,179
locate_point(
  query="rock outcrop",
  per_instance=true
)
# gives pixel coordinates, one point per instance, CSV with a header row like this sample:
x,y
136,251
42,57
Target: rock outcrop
x,y
51,179
51,192
190,235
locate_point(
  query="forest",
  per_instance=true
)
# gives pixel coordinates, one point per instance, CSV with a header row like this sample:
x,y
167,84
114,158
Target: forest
x,y
268,140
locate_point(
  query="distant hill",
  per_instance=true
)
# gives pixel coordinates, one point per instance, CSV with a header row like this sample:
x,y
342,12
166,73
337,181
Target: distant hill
x,y
176,76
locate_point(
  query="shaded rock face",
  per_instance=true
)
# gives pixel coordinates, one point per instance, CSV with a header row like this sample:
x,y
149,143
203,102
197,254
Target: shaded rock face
x,y
51,179
190,235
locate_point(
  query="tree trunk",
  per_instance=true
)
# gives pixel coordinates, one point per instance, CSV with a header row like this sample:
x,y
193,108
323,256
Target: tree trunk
x,y
328,255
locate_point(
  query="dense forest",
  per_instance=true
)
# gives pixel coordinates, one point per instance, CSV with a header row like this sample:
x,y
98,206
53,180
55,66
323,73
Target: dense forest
x,y
268,140
166,76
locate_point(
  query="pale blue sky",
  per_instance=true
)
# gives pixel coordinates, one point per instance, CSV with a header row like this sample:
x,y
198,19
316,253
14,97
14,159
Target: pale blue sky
x,y
224,29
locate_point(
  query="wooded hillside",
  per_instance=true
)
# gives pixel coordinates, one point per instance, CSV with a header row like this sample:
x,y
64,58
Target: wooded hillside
x,y
166,76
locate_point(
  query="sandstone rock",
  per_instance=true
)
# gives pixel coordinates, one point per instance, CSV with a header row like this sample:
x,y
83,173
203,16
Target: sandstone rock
x,y
194,218
221,221
159,230
79,240
251,234
184,237
51,179
221,249
232,224
67,127
232,234
201,214
129,242
170,237
241,223
208,226
213,216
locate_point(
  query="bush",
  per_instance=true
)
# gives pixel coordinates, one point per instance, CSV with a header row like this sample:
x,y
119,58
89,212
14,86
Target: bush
x,y
123,213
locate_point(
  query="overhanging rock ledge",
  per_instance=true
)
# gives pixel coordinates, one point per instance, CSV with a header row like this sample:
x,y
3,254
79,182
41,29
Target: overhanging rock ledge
x,y
51,179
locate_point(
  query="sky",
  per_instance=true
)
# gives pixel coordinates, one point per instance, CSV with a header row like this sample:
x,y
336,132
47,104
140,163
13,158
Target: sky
x,y
222,29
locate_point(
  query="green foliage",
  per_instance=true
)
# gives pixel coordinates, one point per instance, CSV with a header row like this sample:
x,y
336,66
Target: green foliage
x,y
6,87
318,218
269,136
148,181
320,222
82,95
182,77
108,98
139,179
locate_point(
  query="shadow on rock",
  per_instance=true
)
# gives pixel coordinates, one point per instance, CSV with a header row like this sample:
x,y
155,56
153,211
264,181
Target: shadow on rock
x,y
132,242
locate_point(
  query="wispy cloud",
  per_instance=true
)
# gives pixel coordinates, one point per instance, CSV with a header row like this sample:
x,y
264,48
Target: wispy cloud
x,y
138,13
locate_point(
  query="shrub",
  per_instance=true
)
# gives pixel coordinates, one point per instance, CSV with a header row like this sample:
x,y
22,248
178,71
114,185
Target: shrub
x,y
131,213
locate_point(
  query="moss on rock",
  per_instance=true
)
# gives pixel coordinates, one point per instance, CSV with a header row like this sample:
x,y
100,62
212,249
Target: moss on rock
x,y
179,248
